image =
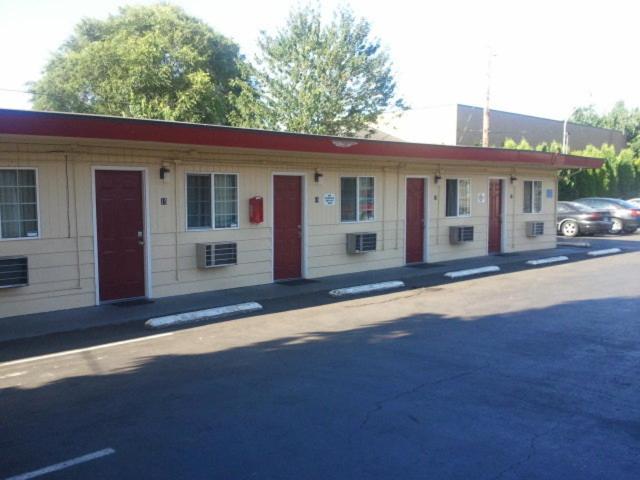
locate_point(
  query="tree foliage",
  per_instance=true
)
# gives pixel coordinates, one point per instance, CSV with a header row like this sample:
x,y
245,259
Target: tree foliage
x,y
618,177
146,61
511,144
621,118
310,77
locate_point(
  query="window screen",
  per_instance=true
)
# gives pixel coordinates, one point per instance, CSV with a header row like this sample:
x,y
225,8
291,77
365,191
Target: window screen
x,y
532,201
198,201
18,204
348,199
452,198
226,201
458,201
365,199
464,198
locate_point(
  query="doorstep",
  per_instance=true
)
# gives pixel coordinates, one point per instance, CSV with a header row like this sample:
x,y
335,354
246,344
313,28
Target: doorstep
x,y
316,292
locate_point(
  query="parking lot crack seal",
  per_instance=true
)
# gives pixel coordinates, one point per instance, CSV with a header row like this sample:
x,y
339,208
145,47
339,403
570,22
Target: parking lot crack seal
x,y
379,405
532,450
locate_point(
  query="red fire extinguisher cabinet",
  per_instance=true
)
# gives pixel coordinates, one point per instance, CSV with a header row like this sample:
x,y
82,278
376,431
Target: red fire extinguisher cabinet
x,y
256,214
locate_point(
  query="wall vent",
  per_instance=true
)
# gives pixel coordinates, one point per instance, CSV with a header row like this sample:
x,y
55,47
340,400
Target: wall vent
x,y
535,229
361,242
460,235
209,255
14,272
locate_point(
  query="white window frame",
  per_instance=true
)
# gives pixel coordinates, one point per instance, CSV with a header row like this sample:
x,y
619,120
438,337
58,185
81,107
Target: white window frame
x,y
358,177
533,211
457,215
213,202
35,169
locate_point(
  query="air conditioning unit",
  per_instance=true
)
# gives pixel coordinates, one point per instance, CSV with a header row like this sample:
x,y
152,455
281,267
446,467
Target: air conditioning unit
x,y
460,235
209,255
534,229
14,272
361,242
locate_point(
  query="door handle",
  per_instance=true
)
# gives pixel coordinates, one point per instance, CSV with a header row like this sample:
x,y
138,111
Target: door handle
x,y
140,238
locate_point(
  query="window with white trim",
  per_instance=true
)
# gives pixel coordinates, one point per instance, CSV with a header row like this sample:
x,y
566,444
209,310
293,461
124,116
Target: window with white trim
x,y
357,199
532,196
458,197
18,203
212,200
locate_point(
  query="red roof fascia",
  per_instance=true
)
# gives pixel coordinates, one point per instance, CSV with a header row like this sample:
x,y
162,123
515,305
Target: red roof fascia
x,y
23,122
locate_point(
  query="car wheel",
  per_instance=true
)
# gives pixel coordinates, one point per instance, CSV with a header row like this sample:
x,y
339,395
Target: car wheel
x,y
569,228
616,226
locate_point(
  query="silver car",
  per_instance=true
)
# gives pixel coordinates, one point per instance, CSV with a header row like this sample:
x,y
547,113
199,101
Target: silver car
x,y
625,216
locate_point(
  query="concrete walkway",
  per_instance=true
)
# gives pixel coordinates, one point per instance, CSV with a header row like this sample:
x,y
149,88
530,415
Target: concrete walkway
x,y
316,291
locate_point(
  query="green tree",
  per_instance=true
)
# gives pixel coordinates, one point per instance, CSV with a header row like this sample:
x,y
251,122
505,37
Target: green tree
x,y
619,175
626,120
146,61
510,143
310,77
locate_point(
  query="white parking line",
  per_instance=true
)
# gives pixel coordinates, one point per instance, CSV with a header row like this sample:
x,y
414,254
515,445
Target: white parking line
x,y
472,271
79,350
542,261
370,287
62,465
606,251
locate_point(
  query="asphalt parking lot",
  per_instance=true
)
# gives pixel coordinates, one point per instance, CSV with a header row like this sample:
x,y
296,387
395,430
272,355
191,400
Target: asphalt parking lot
x,y
531,374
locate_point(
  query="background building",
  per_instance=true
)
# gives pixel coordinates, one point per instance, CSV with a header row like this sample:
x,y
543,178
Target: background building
x,y
462,125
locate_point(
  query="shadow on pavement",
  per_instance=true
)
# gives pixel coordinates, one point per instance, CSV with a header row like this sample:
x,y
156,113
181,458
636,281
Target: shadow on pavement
x,y
541,393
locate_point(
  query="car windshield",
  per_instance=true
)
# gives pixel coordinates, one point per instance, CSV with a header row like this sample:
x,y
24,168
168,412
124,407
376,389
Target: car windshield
x,y
606,203
624,203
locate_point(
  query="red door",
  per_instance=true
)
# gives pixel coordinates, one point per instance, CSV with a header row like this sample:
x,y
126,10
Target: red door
x,y
415,220
120,227
287,228
495,216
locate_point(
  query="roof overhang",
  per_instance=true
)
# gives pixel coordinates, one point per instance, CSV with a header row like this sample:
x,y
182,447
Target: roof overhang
x,y
83,126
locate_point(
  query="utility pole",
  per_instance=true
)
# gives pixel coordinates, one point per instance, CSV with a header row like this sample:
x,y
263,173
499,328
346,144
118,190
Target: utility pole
x,y
486,117
565,136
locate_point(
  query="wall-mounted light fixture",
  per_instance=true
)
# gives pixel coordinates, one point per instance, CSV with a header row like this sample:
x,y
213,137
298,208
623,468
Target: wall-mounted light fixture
x,y
437,178
163,171
317,176
343,143
513,178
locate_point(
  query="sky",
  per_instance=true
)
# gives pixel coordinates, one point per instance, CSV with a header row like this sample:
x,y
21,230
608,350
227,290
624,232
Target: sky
x,y
548,56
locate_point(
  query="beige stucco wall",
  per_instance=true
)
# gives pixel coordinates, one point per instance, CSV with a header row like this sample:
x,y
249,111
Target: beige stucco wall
x,y
61,261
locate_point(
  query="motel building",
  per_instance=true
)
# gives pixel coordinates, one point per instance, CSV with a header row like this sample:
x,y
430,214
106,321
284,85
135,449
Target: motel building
x,y
100,209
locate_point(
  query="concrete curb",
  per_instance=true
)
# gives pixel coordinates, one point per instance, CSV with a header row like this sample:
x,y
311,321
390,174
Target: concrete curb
x,y
574,244
371,287
543,261
606,251
472,271
202,315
